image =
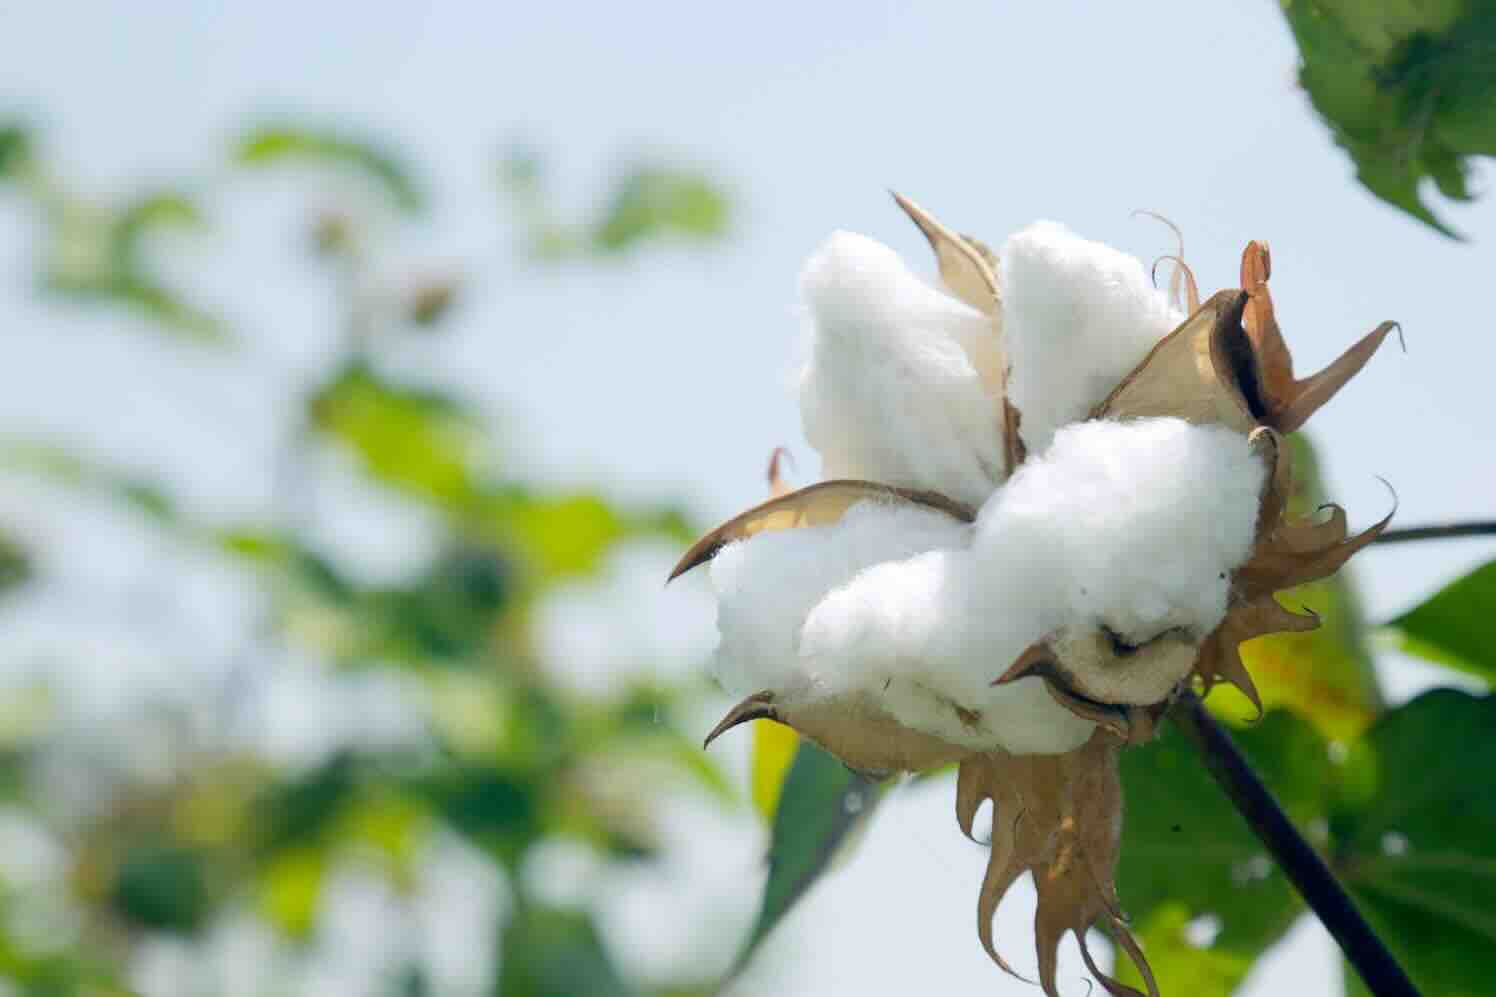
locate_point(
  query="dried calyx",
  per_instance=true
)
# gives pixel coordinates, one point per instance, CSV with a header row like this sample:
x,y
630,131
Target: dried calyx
x,y
1039,733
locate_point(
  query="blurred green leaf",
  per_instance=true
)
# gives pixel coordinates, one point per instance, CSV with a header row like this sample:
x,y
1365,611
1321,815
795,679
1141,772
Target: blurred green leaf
x,y
648,203
15,564
558,535
655,202
98,254
445,616
1187,854
163,887
568,535
1457,626
15,148
1408,88
821,804
300,811
279,144
1420,853
553,953
289,890
497,810
64,467
419,441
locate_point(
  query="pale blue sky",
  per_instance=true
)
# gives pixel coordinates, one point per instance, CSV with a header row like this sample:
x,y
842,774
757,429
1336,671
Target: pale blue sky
x,y
667,375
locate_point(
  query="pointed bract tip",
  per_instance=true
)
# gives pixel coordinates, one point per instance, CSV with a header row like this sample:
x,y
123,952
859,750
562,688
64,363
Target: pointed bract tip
x,y
758,706
1034,657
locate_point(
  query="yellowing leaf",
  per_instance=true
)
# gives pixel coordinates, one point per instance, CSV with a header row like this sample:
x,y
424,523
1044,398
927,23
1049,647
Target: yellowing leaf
x,y
290,889
774,747
1323,675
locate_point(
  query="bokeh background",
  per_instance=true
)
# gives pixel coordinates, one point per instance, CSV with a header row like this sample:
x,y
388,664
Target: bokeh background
x,y
367,366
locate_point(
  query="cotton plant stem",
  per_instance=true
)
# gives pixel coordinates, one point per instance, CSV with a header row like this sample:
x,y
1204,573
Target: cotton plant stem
x,y
1294,855
1443,531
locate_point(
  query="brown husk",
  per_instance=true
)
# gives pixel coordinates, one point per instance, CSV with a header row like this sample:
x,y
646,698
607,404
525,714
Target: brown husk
x,y
1059,817
817,505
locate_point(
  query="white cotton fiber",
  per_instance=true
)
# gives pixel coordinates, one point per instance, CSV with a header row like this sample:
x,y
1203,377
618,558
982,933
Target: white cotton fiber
x,y
767,585
1133,525
926,633
1078,316
893,389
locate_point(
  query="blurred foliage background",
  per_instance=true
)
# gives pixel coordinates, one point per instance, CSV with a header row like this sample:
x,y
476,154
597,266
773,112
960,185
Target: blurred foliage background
x,y
171,825
438,766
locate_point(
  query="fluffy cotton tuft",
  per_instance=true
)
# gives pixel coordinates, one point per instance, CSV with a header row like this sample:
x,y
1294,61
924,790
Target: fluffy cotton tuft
x,y
1078,316
767,585
1133,525
899,384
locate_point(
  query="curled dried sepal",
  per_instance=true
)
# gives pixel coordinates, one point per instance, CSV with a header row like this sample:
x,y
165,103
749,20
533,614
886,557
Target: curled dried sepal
x,y
1130,723
1288,553
1059,817
777,486
1184,293
1228,364
818,505
1291,552
854,728
1288,403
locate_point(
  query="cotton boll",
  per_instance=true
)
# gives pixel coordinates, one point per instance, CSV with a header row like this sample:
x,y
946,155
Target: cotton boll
x,y
1136,525
902,381
767,585
925,637
1078,317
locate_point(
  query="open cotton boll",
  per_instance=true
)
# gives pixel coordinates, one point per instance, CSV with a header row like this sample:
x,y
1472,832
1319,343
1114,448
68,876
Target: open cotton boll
x,y
893,389
920,640
1078,316
1137,525
766,585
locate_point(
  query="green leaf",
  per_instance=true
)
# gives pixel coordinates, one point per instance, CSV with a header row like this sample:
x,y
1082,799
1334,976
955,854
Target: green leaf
x,y
653,202
419,441
15,564
1419,852
500,808
289,890
97,255
553,953
1408,89
62,466
15,148
1186,852
648,203
300,812
163,887
280,144
1179,961
821,804
1457,626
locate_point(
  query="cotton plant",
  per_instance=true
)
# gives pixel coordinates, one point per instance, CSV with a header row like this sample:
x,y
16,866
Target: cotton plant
x,y
1056,498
